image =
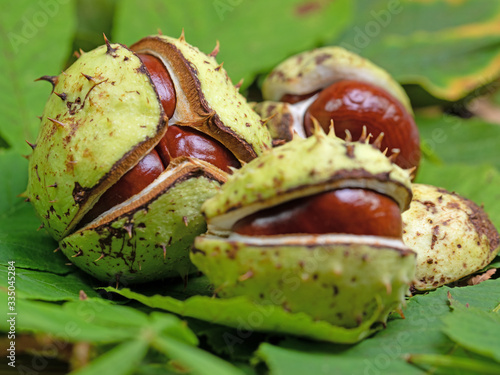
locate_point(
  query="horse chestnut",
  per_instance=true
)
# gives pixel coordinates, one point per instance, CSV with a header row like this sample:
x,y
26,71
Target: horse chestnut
x,y
132,141
335,86
325,233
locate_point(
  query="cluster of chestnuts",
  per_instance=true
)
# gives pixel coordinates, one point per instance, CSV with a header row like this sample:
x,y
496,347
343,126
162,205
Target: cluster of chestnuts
x,y
149,164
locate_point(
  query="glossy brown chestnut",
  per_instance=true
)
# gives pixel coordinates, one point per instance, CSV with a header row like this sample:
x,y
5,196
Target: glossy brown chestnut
x,y
350,211
162,81
184,141
354,104
131,183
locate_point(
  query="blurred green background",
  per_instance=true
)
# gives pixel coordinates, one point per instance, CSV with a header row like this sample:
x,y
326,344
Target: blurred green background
x,y
446,53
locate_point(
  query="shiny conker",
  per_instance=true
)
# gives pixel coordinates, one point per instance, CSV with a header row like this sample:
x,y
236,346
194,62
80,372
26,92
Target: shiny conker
x,y
350,211
354,104
132,141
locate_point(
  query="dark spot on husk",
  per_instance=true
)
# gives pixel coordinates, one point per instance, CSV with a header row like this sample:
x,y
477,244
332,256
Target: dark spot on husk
x,y
435,232
142,70
37,175
483,225
349,150
320,58
430,206
79,193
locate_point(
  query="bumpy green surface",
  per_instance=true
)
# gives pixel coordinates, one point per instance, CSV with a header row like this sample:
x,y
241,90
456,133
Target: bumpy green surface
x,y
150,242
342,281
304,167
104,119
312,70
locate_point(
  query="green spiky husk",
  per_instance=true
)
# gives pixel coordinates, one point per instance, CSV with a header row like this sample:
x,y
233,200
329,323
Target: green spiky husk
x,y
336,278
223,112
149,240
109,122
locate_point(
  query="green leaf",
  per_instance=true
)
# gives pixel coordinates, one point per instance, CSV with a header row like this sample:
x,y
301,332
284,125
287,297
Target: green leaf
x,y
13,183
469,365
293,358
169,324
104,314
216,337
247,316
120,360
48,286
35,38
385,353
95,18
456,140
470,165
20,241
72,322
254,36
197,361
155,369
474,329
447,55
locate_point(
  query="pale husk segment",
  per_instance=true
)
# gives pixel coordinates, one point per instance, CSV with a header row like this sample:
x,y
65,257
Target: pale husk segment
x,y
316,69
108,117
342,279
451,235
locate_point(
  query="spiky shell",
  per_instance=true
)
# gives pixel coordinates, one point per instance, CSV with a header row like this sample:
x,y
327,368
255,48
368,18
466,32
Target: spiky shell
x,y
103,117
109,119
207,99
147,237
305,167
343,279
278,117
312,70
451,235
